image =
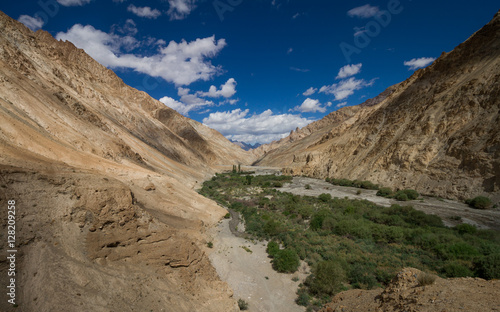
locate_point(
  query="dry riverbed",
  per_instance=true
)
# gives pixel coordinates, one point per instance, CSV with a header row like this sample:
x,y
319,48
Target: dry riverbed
x,y
250,274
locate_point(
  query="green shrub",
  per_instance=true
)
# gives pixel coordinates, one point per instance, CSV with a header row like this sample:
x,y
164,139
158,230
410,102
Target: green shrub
x,y
277,184
401,196
325,197
303,297
385,192
242,304
412,194
272,248
308,187
227,216
488,267
479,202
327,278
286,261
319,217
456,269
210,245
465,228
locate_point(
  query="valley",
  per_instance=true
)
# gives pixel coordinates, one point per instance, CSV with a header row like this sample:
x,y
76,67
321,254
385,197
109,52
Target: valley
x,y
237,259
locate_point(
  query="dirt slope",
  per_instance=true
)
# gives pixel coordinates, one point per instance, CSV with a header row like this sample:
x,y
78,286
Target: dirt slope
x,y
437,132
103,177
405,293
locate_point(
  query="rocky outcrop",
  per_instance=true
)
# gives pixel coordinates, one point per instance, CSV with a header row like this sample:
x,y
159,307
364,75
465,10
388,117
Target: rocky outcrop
x,y
405,293
437,132
104,178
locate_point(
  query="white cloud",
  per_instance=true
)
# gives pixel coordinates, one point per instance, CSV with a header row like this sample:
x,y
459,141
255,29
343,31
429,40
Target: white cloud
x,y
73,2
310,106
419,63
180,63
289,51
188,102
299,70
261,128
33,23
341,105
310,91
365,11
349,70
146,12
345,88
227,90
179,9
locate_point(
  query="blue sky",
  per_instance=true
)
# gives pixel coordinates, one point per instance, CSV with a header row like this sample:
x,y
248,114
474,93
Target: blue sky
x,y
256,69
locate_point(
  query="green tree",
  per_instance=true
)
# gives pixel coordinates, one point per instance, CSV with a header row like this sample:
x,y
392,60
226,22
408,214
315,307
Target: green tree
x,y
286,261
328,277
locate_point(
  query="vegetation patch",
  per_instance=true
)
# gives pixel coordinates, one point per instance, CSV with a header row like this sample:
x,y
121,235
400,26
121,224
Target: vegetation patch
x,y
351,243
479,202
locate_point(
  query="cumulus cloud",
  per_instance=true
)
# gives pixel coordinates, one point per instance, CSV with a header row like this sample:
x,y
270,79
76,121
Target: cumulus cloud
x,y
180,63
345,88
179,9
188,102
365,11
73,2
258,128
33,23
310,106
226,90
146,12
349,70
419,63
310,91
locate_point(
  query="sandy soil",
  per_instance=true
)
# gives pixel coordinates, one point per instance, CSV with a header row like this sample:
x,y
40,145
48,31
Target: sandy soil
x,y
251,275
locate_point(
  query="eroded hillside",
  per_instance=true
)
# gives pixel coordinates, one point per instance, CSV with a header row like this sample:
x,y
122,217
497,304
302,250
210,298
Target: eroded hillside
x,y
437,132
103,177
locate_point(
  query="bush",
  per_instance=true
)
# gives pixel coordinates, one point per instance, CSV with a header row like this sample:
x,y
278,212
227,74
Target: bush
x,y
328,278
412,194
401,196
308,187
425,279
210,245
456,269
303,298
325,197
272,248
479,202
277,184
385,192
286,261
465,228
227,216
489,267
242,304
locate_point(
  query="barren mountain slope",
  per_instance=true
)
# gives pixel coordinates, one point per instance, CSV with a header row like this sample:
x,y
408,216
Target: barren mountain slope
x,y
438,132
103,177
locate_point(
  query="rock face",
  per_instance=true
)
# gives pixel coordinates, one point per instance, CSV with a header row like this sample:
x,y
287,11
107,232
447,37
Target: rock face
x,y
437,132
104,181
405,293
